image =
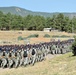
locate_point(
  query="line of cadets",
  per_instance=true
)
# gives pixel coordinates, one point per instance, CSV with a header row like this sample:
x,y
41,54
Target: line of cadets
x,y
23,55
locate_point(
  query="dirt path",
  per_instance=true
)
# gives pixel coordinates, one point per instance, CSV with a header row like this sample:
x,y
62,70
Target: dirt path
x,y
50,56
3,70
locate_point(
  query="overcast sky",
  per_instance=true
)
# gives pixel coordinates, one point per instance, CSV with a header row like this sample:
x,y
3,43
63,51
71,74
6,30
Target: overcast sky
x,y
42,5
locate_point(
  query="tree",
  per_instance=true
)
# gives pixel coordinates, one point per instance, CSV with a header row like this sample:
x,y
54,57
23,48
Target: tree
x,y
60,22
17,22
40,22
74,24
27,20
74,47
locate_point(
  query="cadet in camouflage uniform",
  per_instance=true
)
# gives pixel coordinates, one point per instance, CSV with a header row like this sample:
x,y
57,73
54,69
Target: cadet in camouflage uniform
x,y
44,52
4,59
29,51
34,53
0,57
22,58
16,58
53,48
25,60
10,59
15,55
39,52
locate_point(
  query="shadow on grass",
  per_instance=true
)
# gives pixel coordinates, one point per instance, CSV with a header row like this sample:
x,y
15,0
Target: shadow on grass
x,y
72,55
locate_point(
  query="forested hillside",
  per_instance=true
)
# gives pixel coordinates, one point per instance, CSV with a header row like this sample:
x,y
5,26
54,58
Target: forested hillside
x,y
23,12
17,22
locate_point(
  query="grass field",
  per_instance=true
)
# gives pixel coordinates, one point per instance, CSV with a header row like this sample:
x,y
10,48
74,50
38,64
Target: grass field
x,y
10,37
53,65
58,65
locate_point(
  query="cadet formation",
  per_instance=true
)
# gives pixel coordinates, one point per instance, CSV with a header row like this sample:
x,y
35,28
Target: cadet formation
x,y
13,56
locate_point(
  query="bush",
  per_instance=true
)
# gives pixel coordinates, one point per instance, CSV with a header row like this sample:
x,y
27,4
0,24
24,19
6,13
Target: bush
x,y
64,36
20,38
47,35
74,37
74,47
34,35
54,36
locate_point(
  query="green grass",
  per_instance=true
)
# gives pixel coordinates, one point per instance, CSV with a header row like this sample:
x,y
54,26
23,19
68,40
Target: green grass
x,y
59,65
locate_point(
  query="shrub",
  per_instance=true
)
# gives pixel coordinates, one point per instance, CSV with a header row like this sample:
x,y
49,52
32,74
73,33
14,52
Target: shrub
x,y
74,36
63,36
74,47
34,35
55,36
47,35
20,38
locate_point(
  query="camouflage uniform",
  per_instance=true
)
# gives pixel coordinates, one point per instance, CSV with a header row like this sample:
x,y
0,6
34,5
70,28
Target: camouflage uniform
x,y
33,56
10,59
4,59
53,48
25,61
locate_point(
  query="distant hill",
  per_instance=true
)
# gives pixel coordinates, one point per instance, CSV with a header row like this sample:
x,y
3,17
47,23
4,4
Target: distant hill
x,y
24,12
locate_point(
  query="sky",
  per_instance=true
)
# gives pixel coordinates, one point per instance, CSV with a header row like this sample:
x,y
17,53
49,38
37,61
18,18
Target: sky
x,y
42,5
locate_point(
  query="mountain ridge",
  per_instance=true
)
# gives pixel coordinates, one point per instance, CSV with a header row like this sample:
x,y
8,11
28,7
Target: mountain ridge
x,y
24,12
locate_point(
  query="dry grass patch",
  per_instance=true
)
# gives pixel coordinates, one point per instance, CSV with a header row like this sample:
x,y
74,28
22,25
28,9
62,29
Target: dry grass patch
x,y
59,65
11,36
